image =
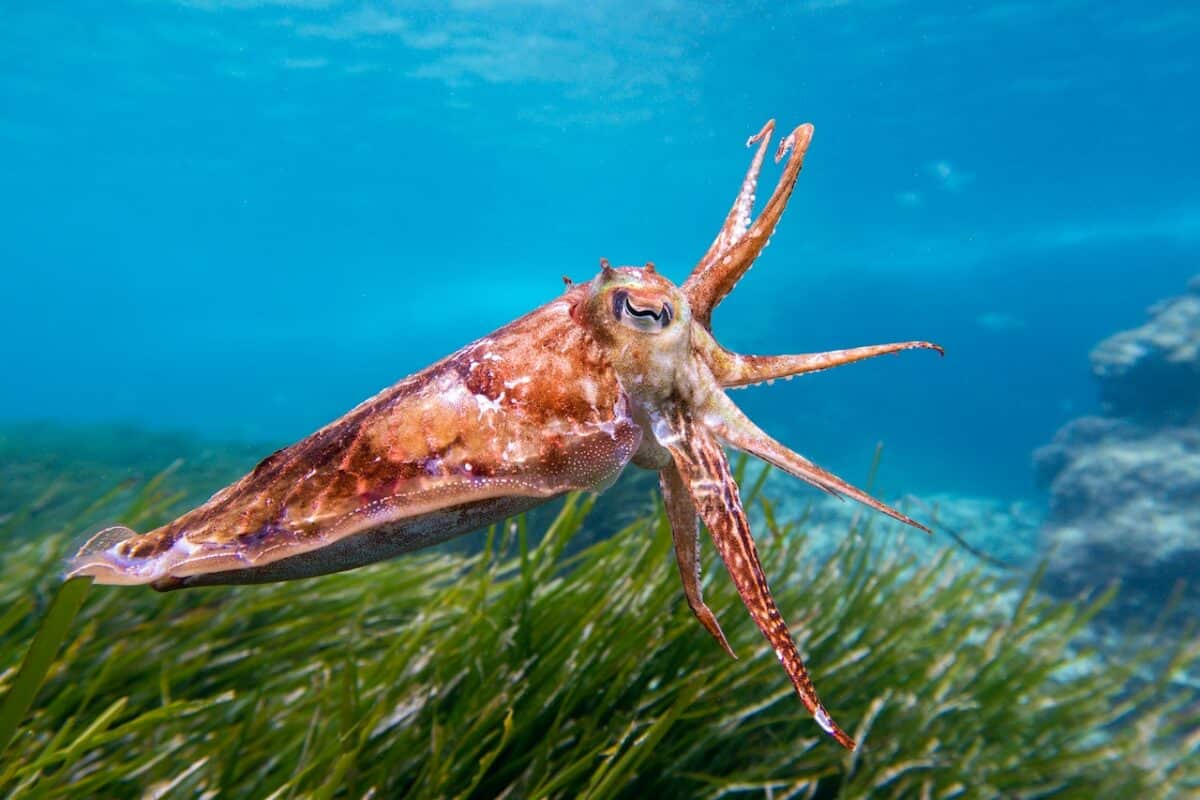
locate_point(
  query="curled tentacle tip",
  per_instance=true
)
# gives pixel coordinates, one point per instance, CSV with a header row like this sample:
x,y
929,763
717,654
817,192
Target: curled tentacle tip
x,y
941,351
797,140
765,133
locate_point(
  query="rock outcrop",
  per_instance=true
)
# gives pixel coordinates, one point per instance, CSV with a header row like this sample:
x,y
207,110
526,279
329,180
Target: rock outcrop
x,y
1125,487
1152,373
983,531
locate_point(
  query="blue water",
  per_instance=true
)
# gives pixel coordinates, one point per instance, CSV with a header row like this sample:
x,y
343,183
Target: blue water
x,y
241,218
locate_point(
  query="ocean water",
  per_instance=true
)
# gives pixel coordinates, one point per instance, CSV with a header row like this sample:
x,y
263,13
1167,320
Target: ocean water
x,y
241,218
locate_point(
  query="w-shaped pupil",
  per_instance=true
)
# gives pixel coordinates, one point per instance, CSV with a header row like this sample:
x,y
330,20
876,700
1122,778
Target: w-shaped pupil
x,y
622,305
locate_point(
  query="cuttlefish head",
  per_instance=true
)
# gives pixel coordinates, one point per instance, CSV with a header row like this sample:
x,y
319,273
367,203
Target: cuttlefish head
x,y
658,339
644,323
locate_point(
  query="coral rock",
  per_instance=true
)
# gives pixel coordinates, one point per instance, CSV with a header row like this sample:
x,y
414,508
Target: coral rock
x,y
1123,505
1125,488
1153,372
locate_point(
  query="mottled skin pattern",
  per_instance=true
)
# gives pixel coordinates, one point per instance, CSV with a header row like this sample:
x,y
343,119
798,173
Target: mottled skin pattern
x,y
505,423
621,368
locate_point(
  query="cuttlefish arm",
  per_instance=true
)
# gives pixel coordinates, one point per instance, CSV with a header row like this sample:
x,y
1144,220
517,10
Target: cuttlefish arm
x,y
704,469
734,370
659,341
728,423
737,222
682,516
737,246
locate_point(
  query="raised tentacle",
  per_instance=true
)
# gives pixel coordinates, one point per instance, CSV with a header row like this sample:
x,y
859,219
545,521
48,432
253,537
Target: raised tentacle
x,y
738,219
705,470
739,370
682,515
709,283
728,422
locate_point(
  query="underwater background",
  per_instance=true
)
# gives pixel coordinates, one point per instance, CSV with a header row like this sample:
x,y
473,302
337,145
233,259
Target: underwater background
x,y
227,223
242,218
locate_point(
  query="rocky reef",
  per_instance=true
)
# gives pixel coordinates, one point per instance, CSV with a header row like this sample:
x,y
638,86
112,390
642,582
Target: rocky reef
x,y
1125,487
984,531
1152,373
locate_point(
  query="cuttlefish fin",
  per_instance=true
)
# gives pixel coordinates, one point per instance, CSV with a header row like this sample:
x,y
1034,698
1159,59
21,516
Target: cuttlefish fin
x,y
704,470
682,516
740,241
733,427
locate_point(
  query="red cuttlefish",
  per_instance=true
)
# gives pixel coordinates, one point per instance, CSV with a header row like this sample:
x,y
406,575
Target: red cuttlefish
x,y
623,368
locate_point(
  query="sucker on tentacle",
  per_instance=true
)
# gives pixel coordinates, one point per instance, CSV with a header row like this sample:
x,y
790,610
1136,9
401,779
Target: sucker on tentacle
x,y
623,368
738,220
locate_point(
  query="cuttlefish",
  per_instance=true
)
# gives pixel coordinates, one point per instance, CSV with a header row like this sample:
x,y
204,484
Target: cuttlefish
x,y
620,369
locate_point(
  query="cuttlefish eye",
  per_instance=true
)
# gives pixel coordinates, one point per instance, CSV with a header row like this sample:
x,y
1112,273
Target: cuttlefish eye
x,y
633,315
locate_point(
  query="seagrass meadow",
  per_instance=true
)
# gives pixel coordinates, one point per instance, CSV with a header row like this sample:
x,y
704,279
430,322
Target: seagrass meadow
x,y
547,664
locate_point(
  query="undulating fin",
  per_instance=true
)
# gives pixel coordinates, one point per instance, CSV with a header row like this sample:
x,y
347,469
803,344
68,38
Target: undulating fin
x,y
96,558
